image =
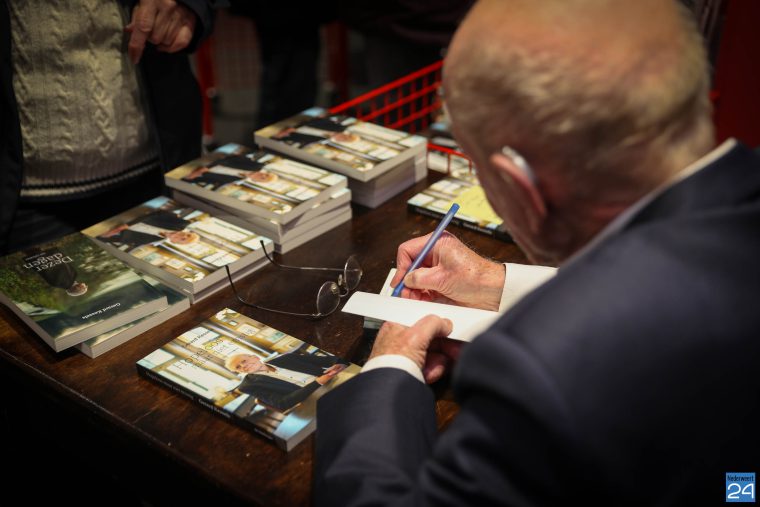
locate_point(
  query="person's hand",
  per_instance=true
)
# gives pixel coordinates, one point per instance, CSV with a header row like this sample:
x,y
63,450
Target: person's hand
x,y
335,369
116,230
165,23
424,343
451,273
197,173
329,373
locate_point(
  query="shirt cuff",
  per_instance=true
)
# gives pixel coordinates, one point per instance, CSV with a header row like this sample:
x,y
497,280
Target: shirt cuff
x,y
520,280
394,361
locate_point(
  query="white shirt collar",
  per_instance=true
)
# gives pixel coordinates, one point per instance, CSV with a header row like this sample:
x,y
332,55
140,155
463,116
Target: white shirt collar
x,y
626,216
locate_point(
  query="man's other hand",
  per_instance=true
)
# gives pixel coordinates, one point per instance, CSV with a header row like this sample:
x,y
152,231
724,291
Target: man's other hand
x,y
164,23
425,343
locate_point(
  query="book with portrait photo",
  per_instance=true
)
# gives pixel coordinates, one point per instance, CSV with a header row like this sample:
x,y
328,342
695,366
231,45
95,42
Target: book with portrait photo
x,y
343,144
250,373
183,247
321,218
71,290
463,188
177,302
258,183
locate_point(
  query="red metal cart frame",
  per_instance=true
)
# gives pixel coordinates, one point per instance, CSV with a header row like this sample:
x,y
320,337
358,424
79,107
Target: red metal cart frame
x,y
409,103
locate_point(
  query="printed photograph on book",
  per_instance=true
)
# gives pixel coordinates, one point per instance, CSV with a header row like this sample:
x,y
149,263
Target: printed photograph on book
x,y
247,369
183,241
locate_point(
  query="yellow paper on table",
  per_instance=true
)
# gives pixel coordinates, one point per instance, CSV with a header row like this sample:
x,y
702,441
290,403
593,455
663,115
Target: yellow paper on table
x,y
473,203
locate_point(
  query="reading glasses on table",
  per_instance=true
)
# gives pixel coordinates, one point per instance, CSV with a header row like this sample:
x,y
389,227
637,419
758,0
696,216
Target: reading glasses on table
x,y
328,295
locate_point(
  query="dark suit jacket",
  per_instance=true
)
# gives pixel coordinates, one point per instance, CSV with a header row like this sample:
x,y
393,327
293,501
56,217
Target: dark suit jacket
x,y
281,394
631,378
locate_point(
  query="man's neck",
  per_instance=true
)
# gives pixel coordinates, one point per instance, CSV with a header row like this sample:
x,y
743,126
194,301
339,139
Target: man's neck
x,y
606,221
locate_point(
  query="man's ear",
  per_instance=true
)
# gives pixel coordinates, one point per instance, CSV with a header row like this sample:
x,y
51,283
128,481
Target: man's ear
x,y
519,178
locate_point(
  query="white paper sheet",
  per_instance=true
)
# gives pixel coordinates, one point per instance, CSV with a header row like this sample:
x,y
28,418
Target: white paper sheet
x,y
468,322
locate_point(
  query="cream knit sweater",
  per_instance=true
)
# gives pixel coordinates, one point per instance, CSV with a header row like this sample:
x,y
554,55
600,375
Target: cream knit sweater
x,y
83,121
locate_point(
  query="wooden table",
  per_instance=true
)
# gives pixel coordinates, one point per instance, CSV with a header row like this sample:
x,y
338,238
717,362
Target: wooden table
x,y
78,428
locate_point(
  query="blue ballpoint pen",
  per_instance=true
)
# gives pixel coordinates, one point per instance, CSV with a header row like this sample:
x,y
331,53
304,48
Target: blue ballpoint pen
x,y
428,246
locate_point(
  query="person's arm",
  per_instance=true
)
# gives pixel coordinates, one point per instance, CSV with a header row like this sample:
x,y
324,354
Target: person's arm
x,y
376,440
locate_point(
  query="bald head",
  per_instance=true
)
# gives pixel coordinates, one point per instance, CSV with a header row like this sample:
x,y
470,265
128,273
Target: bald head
x,y
595,94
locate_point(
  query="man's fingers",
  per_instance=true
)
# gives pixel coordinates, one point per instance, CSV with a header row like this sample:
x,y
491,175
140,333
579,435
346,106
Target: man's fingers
x,y
398,276
172,28
136,46
429,327
408,251
182,40
429,279
184,36
143,17
436,365
161,26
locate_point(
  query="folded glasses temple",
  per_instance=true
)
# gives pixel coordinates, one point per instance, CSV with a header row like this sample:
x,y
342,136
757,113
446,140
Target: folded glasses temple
x,y
306,268
282,312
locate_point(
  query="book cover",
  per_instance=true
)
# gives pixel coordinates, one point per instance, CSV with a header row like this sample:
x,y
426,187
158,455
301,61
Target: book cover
x,y
184,247
250,373
71,290
177,303
258,183
358,149
475,212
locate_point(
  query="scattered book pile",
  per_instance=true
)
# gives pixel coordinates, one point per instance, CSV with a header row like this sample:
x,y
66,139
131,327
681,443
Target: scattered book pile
x,y
289,201
250,373
463,188
185,248
380,162
72,290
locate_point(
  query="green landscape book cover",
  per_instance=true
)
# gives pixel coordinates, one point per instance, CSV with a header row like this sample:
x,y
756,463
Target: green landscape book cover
x,y
71,290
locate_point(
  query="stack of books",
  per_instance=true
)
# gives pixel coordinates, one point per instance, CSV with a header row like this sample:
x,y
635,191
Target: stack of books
x,y
252,374
72,292
183,247
461,187
289,201
177,302
380,162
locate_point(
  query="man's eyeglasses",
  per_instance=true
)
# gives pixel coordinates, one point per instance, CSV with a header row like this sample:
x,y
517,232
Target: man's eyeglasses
x,y
328,295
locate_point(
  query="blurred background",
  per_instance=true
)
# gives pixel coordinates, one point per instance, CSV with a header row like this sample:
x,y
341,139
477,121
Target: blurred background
x,y
267,62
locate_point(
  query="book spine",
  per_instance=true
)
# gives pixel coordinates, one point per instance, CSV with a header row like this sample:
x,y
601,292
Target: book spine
x,y
494,233
147,373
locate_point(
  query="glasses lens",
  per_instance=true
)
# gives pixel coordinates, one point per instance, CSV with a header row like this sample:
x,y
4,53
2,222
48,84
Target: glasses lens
x,y
328,298
352,273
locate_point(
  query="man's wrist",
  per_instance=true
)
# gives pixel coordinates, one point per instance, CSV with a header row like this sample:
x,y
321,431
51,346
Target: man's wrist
x,y
397,361
491,285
